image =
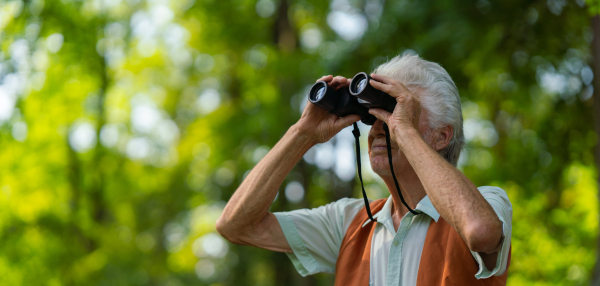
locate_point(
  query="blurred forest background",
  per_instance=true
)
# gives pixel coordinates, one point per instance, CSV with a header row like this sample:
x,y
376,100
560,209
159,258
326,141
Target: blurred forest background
x,y
125,126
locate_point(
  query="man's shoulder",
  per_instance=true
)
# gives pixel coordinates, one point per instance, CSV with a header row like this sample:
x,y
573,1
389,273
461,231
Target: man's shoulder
x,y
347,206
492,190
346,210
344,207
496,196
352,206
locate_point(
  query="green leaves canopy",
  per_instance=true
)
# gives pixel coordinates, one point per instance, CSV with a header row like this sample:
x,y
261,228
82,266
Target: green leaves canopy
x,y
126,125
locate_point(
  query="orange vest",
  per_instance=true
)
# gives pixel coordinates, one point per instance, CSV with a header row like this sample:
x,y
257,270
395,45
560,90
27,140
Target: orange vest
x,y
445,260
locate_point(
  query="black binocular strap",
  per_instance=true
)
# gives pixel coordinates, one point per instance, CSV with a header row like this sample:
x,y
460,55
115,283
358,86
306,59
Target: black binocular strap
x,y
356,134
389,151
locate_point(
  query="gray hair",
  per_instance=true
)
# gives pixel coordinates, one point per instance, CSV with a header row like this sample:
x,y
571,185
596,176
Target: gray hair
x,y
441,98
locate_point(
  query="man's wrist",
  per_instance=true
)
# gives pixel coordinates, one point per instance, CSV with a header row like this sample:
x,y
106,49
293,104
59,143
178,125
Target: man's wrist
x,y
405,135
301,137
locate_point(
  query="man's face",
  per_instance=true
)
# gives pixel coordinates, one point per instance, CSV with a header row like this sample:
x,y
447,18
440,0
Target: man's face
x,y
378,149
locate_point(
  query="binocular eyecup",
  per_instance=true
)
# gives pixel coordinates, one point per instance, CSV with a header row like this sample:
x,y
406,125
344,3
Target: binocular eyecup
x,y
358,98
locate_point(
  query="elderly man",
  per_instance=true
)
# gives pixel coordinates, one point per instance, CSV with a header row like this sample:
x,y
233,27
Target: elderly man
x,y
458,235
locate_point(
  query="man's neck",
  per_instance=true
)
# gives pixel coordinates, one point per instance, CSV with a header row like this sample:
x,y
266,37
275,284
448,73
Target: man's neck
x,y
412,191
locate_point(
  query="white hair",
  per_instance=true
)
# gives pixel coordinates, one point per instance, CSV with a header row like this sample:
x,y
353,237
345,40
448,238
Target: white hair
x,y
439,96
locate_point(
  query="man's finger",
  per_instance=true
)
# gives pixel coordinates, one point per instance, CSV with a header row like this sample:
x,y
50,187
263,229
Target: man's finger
x,y
340,78
326,78
390,81
344,82
382,86
380,114
338,81
382,78
403,88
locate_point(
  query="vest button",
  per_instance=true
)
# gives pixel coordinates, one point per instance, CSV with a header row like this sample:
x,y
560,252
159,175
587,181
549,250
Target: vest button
x,y
396,242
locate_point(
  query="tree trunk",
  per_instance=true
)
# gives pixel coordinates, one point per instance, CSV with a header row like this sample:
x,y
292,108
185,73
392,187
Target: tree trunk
x,y
284,35
596,98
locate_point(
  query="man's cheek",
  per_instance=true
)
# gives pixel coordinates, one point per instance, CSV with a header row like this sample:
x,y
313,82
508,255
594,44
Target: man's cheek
x,y
379,161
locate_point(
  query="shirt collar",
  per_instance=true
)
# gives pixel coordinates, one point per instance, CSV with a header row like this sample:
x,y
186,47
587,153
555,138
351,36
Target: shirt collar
x,y
424,206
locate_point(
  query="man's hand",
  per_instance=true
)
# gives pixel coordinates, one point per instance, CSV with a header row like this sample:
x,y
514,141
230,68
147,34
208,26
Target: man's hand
x,y
318,124
408,107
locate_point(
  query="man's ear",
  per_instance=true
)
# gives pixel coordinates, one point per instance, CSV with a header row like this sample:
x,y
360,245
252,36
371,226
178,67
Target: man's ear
x,y
443,138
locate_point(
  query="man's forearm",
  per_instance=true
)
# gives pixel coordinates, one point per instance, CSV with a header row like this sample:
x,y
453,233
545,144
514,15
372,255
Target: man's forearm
x,y
251,201
453,195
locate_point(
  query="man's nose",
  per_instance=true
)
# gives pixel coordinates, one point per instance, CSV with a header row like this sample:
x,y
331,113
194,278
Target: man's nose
x,y
377,129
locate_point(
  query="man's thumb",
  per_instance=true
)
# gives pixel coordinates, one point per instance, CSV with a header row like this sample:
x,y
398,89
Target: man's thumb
x,y
347,121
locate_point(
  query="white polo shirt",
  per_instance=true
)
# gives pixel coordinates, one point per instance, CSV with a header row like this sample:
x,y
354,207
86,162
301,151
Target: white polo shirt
x,y
315,236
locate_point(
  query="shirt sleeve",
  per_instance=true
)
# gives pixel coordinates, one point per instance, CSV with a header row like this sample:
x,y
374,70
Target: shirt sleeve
x,y
315,235
499,201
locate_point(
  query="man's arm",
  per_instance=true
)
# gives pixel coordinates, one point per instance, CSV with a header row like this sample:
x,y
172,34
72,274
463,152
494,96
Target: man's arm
x,y
453,195
246,218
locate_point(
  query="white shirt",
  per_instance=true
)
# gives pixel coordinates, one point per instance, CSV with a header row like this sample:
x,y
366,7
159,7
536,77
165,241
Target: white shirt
x,y
316,235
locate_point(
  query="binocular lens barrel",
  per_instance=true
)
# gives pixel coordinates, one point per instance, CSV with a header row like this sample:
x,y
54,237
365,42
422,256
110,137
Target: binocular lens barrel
x,y
359,83
369,96
323,96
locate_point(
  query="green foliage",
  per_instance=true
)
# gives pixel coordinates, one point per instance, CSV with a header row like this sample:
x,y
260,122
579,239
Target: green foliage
x,y
125,126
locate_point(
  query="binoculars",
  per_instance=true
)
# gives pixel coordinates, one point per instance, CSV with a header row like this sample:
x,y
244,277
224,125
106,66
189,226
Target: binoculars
x,y
358,98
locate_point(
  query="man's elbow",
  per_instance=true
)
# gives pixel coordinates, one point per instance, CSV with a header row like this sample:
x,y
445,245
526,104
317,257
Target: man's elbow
x,y
225,229
483,236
